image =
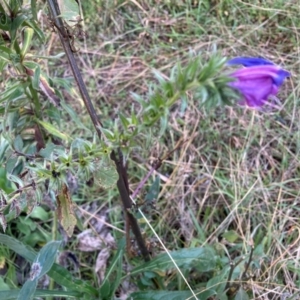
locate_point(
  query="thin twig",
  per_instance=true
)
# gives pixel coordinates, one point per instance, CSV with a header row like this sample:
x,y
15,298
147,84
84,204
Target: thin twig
x,y
232,267
248,263
122,183
127,203
64,37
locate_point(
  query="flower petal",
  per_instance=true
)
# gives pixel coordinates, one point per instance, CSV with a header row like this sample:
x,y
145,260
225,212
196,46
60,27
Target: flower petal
x,y
276,73
255,92
249,61
259,80
281,75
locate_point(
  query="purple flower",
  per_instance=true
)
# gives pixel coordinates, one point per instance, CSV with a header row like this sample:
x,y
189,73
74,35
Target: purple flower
x,y
259,80
249,61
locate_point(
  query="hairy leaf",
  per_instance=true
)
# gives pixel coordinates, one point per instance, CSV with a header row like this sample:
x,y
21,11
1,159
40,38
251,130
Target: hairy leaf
x,y
65,211
201,258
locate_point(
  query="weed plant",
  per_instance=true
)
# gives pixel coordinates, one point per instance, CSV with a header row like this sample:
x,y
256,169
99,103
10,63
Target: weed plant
x,y
225,200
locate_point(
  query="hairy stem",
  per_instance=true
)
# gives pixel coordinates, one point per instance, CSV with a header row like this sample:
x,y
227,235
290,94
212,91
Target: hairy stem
x,y
122,183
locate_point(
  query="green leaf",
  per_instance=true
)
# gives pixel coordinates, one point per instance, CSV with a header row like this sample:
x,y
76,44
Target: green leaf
x,y
65,211
27,34
201,258
18,143
3,286
64,278
107,175
12,164
153,191
231,236
217,283
241,295
75,117
161,295
13,294
108,287
207,293
109,134
36,28
27,290
52,130
39,213
33,9
5,53
57,272
46,257
48,150
69,10
5,21
172,295
5,184
11,93
36,78
124,120
16,23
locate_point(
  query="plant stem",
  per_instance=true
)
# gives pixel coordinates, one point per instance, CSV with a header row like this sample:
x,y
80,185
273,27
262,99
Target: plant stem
x,y
54,237
122,183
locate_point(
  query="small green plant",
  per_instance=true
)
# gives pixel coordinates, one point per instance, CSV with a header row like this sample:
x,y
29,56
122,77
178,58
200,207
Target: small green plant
x,y
41,163
47,141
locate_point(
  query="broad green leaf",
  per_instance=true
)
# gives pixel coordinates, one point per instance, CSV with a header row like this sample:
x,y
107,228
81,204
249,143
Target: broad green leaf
x,y
12,213
65,211
46,257
16,23
40,82
107,175
57,272
69,10
64,278
5,53
5,21
27,290
11,93
36,28
231,236
12,162
18,143
205,294
13,294
201,258
153,191
217,283
241,295
52,130
48,150
161,295
27,34
39,213
177,295
3,286
5,184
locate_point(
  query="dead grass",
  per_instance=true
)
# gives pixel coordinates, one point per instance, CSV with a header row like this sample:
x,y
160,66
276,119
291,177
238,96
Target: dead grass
x,y
237,169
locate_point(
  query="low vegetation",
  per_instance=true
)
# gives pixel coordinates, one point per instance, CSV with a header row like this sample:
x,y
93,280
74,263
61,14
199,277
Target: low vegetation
x,y
223,203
